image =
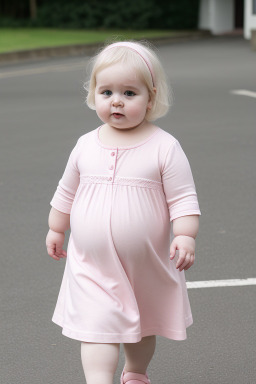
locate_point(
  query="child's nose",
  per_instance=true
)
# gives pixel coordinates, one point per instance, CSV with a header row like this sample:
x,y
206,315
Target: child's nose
x,y
117,101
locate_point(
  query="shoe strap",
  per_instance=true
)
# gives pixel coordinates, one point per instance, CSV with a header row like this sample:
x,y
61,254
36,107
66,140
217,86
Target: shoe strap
x,y
135,376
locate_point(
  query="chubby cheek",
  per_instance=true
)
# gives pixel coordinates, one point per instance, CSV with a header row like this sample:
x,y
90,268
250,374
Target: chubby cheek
x,y
101,109
138,112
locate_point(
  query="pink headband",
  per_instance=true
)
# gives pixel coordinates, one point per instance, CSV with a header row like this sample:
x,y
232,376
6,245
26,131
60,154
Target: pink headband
x,y
140,51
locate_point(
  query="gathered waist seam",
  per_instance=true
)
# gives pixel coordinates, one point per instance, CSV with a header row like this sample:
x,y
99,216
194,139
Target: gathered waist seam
x,y
126,181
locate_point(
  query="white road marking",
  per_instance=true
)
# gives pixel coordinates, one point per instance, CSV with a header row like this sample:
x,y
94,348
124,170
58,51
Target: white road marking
x,y
243,92
221,283
45,69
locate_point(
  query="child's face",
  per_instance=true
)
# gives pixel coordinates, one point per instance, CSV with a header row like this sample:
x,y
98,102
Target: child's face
x,y
121,97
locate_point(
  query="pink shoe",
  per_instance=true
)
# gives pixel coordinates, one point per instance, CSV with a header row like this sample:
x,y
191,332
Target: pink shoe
x,y
134,378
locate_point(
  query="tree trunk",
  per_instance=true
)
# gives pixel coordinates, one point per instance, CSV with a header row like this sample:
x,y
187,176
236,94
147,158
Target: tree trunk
x,y
33,9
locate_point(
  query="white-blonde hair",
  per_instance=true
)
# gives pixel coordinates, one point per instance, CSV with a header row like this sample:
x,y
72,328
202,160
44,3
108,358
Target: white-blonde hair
x,y
161,99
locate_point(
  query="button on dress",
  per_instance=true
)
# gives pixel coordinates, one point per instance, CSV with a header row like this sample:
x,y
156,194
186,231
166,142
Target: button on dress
x,y
119,283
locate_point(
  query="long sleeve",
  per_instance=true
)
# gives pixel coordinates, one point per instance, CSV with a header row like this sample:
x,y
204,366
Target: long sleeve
x,y
67,187
178,183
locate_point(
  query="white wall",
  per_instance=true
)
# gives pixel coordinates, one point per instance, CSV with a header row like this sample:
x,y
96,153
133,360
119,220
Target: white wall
x,y
249,19
216,15
204,14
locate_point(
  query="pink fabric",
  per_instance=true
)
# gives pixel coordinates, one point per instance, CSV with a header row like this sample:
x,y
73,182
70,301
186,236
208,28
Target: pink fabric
x,y
119,284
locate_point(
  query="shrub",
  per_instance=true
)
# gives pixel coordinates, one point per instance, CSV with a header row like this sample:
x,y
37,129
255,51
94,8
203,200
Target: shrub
x,y
119,14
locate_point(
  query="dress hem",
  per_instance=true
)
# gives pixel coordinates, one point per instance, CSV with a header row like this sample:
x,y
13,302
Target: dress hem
x,y
122,338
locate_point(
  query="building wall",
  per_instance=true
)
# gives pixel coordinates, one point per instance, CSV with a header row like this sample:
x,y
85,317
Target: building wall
x,y
249,18
204,15
216,15
224,16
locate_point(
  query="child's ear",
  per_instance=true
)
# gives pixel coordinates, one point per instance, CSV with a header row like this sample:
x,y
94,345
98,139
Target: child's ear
x,y
151,98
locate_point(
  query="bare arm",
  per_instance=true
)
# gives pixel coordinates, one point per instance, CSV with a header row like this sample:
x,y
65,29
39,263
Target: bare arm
x,y
59,217
59,222
185,230
186,226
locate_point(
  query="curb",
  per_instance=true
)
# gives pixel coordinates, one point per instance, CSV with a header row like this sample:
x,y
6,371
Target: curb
x,y
39,54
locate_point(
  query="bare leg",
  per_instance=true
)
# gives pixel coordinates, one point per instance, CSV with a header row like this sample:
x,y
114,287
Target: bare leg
x,y
139,355
99,362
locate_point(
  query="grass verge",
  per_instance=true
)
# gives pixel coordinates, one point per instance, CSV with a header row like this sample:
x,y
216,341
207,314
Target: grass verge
x,y
28,38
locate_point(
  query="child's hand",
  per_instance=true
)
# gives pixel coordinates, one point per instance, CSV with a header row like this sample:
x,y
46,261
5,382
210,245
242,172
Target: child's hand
x,y
54,245
186,247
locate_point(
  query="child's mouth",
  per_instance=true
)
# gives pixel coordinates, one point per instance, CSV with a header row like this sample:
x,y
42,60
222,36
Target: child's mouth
x,y
117,115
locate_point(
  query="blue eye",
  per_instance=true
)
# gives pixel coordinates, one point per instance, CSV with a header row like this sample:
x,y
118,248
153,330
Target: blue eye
x,y
129,93
107,92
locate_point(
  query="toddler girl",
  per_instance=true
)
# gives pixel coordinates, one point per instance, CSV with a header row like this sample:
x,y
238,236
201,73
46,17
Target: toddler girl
x,y
127,188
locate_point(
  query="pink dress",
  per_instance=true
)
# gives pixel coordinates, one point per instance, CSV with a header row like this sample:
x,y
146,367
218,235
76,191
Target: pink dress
x,y
119,283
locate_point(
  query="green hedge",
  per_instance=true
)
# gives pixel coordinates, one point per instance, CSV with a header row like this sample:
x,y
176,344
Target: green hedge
x,y
121,14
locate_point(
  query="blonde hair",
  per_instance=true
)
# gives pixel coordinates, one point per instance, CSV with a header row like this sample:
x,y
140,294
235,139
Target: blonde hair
x,y
161,99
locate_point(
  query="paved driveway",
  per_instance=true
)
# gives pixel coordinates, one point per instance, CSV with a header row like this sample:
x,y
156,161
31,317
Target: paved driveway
x,y
41,116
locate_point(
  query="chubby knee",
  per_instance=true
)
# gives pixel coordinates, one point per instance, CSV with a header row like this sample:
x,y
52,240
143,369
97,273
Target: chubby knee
x,y
147,340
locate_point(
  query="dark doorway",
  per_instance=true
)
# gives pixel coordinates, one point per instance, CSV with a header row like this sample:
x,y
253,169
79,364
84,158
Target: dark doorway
x,y
239,14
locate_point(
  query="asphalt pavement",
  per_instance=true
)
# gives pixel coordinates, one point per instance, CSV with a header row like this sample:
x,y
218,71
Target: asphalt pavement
x,y
42,113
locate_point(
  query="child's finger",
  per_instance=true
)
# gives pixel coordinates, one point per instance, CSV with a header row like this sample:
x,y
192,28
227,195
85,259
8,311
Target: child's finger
x,y
172,251
63,254
192,260
180,261
51,252
60,252
186,262
53,255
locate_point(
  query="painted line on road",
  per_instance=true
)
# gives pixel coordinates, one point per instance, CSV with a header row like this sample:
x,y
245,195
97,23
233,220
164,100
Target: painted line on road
x,y
221,283
243,92
45,69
